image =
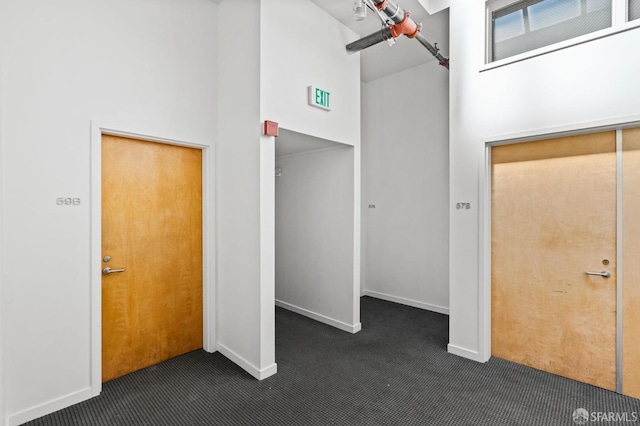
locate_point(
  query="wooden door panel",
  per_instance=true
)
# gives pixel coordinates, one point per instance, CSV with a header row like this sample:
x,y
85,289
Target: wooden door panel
x,y
630,263
553,218
152,227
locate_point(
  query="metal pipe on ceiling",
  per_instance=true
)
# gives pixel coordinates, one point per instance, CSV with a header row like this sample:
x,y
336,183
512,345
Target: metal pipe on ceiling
x,y
433,50
370,40
403,25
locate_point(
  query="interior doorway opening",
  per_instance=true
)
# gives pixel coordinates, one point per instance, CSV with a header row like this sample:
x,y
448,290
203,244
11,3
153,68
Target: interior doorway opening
x,y
317,255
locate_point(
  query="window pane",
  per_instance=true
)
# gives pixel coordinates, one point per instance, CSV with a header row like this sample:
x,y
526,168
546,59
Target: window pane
x,y
597,4
634,9
508,26
530,24
550,12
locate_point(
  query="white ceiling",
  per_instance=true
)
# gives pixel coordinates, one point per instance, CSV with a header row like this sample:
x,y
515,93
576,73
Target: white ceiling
x,y
381,60
289,142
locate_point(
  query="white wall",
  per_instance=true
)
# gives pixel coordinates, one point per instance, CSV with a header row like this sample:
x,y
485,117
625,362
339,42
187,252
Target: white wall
x,y
314,235
148,65
246,324
571,89
310,50
264,71
405,149
302,45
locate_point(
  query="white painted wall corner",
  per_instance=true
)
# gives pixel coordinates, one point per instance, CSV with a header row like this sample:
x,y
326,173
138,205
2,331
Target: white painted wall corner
x,y
466,353
256,372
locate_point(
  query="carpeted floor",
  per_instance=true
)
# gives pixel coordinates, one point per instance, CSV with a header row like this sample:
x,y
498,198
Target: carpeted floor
x,y
396,371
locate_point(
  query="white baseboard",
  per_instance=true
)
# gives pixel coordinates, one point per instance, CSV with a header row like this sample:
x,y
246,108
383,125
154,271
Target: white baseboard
x,y
211,347
408,302
49,407
259,374
465,353
320,318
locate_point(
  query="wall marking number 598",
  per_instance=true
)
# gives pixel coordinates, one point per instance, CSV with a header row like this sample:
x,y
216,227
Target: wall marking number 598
x,y
67,201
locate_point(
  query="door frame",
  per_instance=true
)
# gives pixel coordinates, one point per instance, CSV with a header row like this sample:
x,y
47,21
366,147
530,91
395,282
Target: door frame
x,y
484,211
208,238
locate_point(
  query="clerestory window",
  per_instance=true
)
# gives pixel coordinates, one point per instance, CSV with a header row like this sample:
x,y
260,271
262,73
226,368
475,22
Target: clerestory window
x,y
526,25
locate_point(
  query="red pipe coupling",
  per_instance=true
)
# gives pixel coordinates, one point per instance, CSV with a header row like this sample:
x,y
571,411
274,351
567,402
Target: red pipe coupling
x,y
407,27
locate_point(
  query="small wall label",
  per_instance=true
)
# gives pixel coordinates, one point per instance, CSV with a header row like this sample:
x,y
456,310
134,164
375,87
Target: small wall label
x,y
320,98
67,201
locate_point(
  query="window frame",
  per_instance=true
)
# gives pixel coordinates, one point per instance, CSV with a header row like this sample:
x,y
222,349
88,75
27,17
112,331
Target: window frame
x,y
619,23
628,2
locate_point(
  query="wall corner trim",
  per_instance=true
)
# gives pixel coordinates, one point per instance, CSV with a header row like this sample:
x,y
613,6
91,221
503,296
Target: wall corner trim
x,y
50,407
466,353
259,374
321,318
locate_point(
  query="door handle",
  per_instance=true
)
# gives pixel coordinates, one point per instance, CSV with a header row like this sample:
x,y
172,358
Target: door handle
x,y
604,273
107,270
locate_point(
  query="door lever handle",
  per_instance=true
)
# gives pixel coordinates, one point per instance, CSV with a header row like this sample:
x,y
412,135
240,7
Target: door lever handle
x,y
605,273
107,270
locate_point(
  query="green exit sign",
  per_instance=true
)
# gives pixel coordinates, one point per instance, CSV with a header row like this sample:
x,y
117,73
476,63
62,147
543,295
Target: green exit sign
x,y
319,98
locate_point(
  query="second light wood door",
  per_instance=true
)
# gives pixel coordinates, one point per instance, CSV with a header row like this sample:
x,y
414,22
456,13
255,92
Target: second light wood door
x,y
554,219
151,227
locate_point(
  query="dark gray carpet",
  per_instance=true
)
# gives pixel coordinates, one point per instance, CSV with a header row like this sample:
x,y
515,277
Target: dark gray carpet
x,y
396,371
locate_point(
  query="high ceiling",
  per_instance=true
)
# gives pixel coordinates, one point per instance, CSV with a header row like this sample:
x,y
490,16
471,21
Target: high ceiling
x,y
381,60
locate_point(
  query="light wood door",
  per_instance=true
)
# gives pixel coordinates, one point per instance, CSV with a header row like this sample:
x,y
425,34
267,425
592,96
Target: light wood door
x,y
152,227
553,218
630,262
